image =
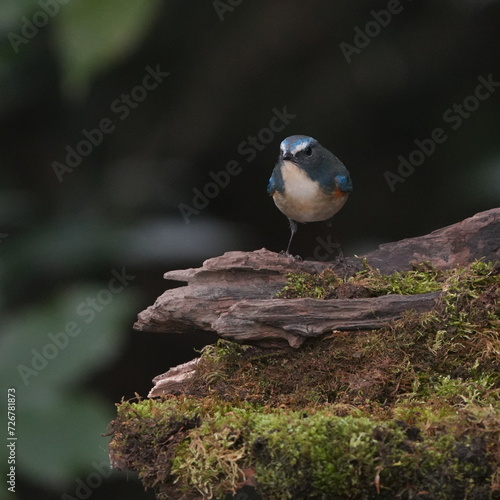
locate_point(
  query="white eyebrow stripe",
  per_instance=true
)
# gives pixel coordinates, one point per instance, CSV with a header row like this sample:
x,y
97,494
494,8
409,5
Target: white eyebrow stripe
x,y
300,146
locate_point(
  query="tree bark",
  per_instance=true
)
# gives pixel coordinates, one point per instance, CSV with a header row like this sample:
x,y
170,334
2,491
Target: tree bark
x,y
232,295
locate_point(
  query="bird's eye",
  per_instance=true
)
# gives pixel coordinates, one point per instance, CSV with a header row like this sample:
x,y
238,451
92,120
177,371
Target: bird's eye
x,y
308,151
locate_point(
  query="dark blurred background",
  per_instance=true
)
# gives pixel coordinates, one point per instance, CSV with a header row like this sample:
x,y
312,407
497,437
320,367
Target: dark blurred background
x,y
99,148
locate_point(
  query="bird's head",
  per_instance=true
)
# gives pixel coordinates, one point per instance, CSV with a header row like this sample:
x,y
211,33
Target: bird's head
x,y
320,164
302,150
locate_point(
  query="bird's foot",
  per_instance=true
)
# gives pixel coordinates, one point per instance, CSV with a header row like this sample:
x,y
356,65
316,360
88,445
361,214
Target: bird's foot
x,y
341,262
289,255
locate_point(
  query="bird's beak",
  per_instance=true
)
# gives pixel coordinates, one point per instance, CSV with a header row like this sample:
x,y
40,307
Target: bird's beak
x,y
286,156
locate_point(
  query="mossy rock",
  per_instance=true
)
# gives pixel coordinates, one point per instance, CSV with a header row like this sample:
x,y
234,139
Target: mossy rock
x,y
408,411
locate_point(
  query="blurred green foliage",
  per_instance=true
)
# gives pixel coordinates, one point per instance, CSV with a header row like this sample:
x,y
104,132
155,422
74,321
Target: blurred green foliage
x,y
88,36
91,35
59,423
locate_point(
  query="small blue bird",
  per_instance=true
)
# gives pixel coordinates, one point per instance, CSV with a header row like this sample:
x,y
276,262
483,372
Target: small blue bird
x,y
309,183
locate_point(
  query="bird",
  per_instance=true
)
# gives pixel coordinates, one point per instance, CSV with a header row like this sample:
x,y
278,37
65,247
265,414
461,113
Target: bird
x,y
309,183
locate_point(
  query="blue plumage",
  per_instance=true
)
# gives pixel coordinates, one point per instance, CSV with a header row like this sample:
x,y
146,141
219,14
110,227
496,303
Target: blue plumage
x,y
344,183
308,183
275,182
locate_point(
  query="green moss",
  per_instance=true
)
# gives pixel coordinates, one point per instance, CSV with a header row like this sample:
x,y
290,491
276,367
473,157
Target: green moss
x,y
423,278
408,411
296,454
209,461
316,286
369,282
290,454
145,434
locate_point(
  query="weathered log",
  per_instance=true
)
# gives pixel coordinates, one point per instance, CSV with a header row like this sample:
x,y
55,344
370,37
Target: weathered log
x,y
232,295
456,245
265,321
173,381
215,287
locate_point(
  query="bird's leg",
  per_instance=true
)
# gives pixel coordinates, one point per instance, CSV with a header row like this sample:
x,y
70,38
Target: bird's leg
x,y
329,225
340,257
293,229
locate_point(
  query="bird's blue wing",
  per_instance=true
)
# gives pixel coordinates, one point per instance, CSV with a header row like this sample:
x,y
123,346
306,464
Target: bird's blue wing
x,y
276,181
271,187
344,183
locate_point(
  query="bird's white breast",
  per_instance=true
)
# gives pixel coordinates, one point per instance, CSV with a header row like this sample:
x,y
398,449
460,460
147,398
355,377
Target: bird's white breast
x,y
303,200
